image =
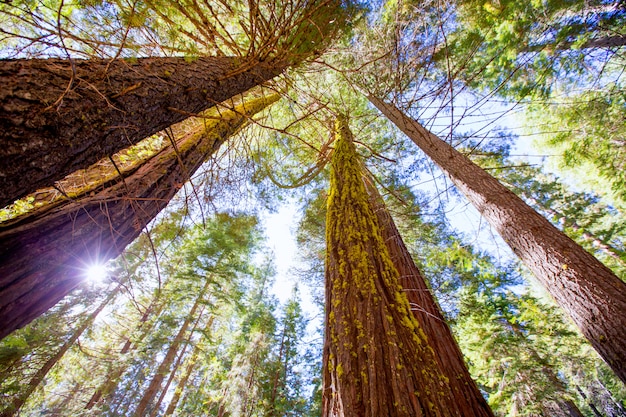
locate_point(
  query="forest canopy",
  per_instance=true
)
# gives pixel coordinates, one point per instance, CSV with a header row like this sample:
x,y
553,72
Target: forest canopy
x,y
455,173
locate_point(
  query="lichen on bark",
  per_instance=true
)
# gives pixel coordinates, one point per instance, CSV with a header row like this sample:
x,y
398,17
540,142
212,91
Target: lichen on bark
x,y
377,359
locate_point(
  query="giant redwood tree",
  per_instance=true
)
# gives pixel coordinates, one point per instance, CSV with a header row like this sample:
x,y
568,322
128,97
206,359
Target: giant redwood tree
x,y
60,115
378,361
464,391
590,293
43,253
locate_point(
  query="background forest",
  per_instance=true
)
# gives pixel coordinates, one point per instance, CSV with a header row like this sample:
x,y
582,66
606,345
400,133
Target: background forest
x,y
152,139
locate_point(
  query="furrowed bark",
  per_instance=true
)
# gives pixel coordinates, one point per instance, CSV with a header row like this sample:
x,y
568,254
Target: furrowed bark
x,y
588,291
377,359
43,256
57,116
464,390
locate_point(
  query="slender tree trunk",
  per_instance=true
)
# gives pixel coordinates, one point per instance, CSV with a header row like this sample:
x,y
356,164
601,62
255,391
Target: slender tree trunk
x,y
174,369
377,359
111,378
464,390
570,408
606,42
587,290
43,371
58,116
182,383
591,405
172,351
43,256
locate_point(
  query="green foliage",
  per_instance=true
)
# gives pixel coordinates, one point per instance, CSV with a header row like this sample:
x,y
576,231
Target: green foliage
x,y
526,48
587,134
259,30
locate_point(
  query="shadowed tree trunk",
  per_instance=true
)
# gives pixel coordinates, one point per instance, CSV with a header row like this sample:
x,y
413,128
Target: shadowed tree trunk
x,y
464,390
57,116
588,291
39,376
43,256
377,359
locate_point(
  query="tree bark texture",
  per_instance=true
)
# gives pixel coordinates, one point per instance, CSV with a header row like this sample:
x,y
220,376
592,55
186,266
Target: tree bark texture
x,y
588,291
377,359
39,376
57,116
464,390
43,256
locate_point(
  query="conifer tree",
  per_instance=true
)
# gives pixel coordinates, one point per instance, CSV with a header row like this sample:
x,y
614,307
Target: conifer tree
x,y
99,223
377,358
590,293
428,314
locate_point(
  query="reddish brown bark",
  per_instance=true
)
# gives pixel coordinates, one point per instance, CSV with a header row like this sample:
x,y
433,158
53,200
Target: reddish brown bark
x,y
42,256
588,291
465,392
377,359
58,116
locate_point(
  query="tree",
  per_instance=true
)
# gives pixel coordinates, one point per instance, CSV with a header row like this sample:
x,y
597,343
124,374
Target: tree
x,y
377,358
59,115
190,323
428,314
39,376
522,49
98,224
590,135
520,379
592,296
100,106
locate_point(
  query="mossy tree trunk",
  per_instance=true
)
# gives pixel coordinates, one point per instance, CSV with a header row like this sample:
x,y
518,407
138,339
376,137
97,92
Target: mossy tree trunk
x,y
44,254
464,391
57,116
377,359
589,292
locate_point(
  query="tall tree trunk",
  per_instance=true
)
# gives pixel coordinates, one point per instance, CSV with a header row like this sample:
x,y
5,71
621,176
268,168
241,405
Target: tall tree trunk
x,y
587,290
58,116
377,359
172,352
464,390
105,389
174,368
43,256
182,383
39,376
